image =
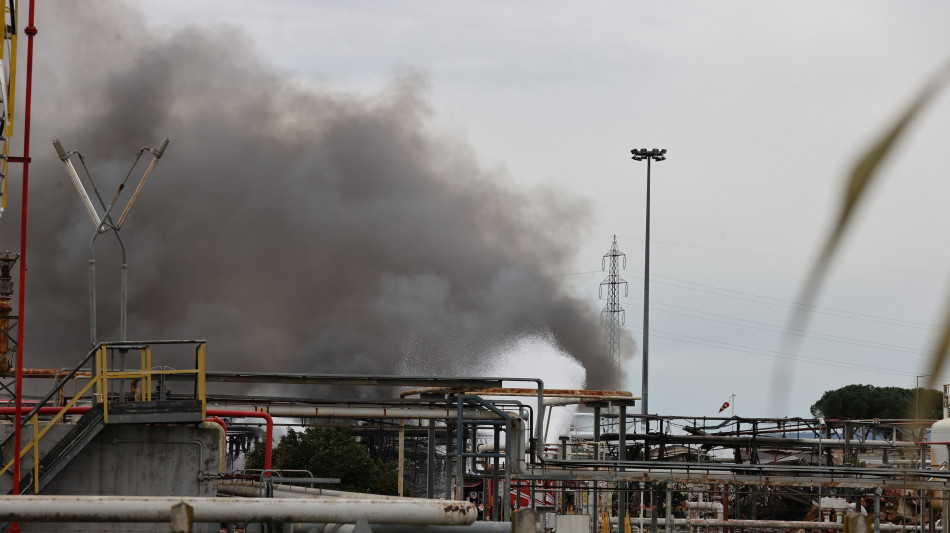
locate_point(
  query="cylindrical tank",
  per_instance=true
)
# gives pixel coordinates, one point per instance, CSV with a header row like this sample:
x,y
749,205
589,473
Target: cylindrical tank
x,y
940,432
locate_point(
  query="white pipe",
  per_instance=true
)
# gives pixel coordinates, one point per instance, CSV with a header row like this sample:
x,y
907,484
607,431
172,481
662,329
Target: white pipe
x,y
222,444
256,489
396,413
772,524
706,506
158,509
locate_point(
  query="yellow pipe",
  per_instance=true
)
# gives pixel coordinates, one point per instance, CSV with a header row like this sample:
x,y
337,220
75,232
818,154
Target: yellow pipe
x,y
104,377
11,99
3,17
148,363
12,92
201,380
36,458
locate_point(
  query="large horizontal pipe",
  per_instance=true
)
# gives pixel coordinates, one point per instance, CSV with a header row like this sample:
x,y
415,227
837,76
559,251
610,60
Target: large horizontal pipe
x,y
342,379
282,510
477,527
909,480
253,489
763,442
761,524
300,411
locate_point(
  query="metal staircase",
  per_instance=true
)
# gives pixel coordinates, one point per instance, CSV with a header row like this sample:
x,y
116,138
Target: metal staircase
x,y
64,451
106,406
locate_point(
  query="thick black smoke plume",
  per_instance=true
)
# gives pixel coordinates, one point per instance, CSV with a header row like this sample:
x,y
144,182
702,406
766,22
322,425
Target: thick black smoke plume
x,y
294,230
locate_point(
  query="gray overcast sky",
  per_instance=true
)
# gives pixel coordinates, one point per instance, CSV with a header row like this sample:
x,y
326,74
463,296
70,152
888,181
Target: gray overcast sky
x,y
763,107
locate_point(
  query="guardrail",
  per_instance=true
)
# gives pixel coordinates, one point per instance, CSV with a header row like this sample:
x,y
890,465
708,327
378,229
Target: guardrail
x,y
100,380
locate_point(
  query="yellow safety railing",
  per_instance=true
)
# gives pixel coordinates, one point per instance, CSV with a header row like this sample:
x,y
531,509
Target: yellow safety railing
x,y
9,9
146,375
100,380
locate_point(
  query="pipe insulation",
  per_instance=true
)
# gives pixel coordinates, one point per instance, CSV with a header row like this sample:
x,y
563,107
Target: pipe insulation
x,y
477,527
394,413
255,489
766,525
283,510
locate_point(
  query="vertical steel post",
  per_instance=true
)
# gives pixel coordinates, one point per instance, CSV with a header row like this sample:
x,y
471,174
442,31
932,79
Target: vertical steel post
x,y
595,512
644,395
669,509
622,456
653,525
402,455
448,459
430,462
30,31
500,494
877,510
460,449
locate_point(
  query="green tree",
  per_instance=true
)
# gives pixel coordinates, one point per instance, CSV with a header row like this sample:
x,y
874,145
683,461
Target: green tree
x,y
330,451
868,401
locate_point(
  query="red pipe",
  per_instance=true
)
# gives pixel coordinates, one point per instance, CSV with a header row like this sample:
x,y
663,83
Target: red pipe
x,y
268,435
30,31
47,410
213,415
219,422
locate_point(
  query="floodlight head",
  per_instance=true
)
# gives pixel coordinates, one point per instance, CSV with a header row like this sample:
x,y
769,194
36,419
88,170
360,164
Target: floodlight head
x,y
60,150
663,151
161,149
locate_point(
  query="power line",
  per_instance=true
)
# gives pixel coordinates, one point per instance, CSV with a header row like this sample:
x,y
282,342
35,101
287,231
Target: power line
x,y
791,304
791,331
776,355
795,258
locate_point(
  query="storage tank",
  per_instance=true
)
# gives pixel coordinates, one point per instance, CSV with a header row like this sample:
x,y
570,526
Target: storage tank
x,y
940,432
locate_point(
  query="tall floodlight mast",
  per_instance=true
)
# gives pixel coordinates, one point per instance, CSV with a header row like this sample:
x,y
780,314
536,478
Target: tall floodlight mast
x,y
640,154
613,314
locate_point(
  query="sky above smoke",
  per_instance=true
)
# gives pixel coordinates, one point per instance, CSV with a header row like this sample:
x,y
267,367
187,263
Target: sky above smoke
x,y
296,229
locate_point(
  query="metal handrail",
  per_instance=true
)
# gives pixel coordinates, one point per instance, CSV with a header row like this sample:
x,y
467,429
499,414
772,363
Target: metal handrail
x,y
100,379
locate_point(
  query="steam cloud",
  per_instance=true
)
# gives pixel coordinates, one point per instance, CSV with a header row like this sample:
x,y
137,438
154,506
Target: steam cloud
x,y
294,230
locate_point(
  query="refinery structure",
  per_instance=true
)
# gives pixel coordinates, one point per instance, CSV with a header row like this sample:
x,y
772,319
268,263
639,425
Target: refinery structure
x,y
141,434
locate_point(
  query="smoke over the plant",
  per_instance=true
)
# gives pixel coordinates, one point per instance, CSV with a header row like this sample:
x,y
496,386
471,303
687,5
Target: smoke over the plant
x,y
295,230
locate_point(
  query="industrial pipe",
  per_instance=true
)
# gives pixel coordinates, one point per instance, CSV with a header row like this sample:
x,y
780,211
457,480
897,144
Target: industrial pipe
x,y
281,510
254,489
222,429
477,527
423,412
268,434
771,524
31,32
758,475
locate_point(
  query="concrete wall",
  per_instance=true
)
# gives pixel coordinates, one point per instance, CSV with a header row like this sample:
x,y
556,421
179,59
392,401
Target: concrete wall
x,y
130,460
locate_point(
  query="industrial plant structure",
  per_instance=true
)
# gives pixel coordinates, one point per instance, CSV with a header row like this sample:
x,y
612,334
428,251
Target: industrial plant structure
x,y
138,435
